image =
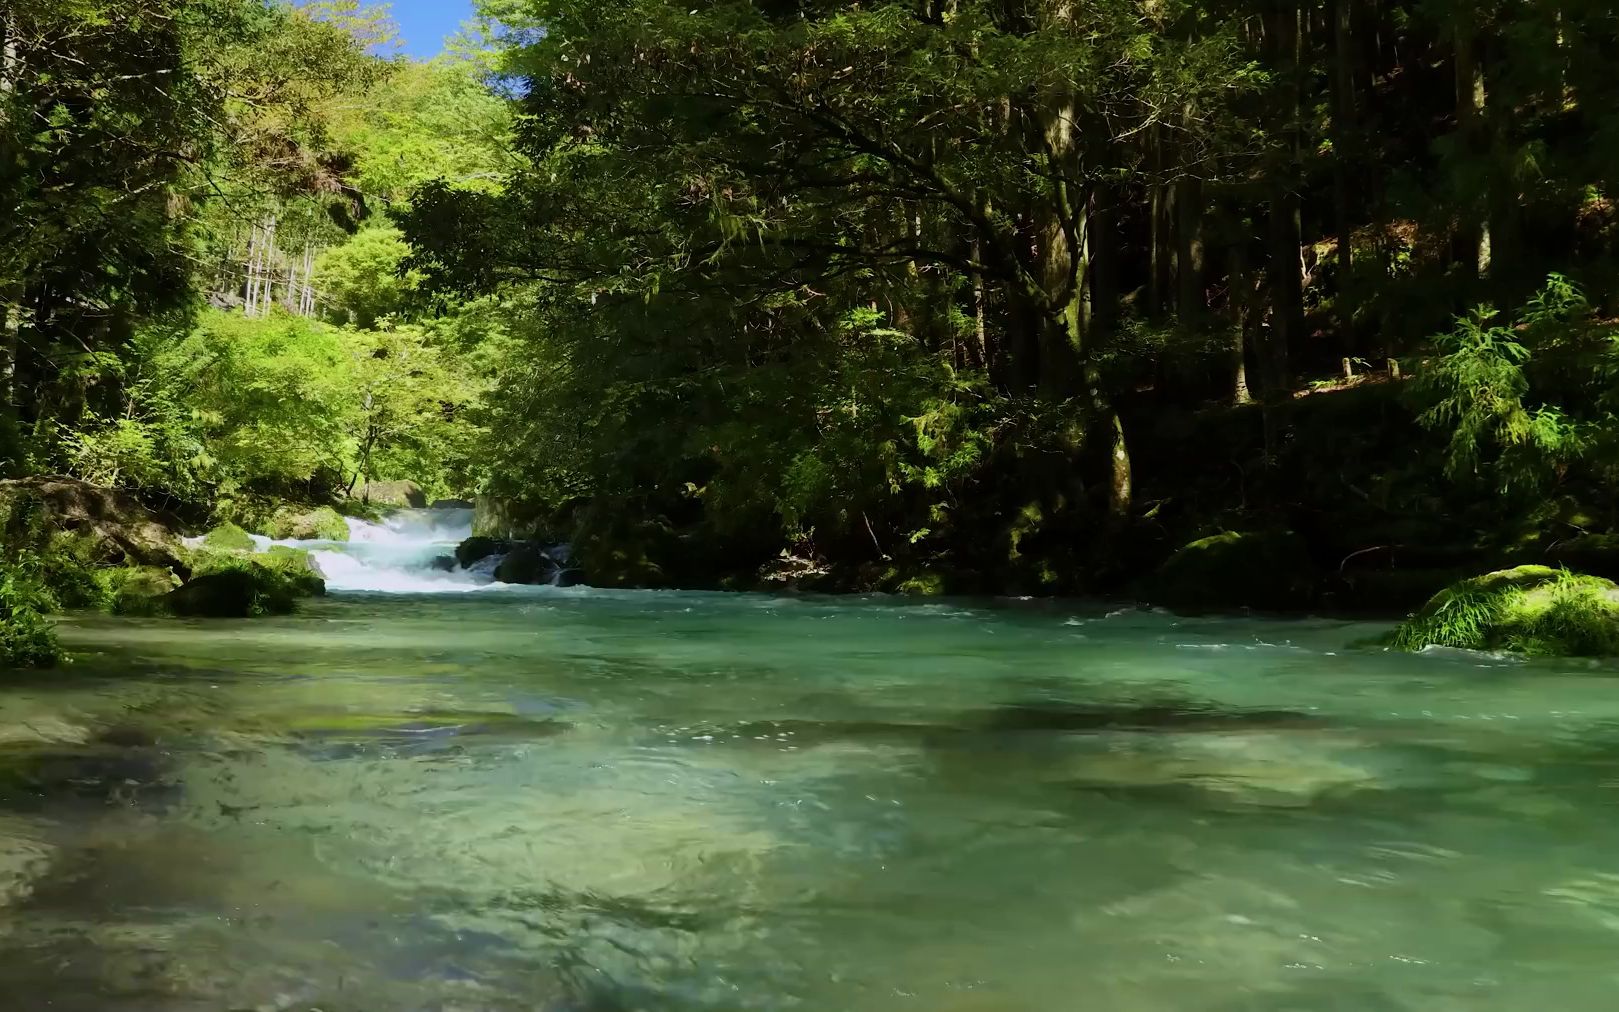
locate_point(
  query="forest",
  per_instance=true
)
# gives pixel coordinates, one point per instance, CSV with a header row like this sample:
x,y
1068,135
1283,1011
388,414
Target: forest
x,y
1284,304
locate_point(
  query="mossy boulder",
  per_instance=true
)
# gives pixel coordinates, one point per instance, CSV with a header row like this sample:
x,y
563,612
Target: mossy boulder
x,y
137,590
1269,570
109,527
320,524
243,585
228,538
1529,609
295,565
403,494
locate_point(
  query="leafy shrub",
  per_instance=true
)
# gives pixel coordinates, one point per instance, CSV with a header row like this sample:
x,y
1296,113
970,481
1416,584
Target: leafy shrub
x,y
1508,423
27,639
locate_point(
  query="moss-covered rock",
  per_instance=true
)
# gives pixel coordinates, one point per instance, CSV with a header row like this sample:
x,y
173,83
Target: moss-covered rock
x,y
107,527
1529,609
1256,569
297,566
228,538
320,524
404,494
137,590
244,585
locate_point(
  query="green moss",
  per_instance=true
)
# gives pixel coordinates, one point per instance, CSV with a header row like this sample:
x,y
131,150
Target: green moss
x,y
1529,609
321,524
296,567
1259,569
136,590
244,585
924,584
228,538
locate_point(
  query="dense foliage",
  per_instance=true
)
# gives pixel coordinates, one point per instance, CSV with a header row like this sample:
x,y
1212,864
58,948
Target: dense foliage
x,y
923,283
961,295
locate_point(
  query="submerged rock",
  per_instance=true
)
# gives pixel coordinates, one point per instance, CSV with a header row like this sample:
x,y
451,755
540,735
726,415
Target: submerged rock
x,y
404,494
1258,569
1529,609
320,524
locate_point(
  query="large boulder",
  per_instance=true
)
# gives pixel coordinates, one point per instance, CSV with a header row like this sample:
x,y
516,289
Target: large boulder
x,y
476,549
1528,609
404,494
319,524
1269,570
527,564
497,517
114,527
138,590
243,585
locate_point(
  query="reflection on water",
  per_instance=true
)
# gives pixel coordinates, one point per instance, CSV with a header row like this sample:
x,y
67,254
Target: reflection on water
x,y
579,800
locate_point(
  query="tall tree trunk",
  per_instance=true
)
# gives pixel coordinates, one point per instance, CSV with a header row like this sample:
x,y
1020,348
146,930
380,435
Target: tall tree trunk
x,y
1159,209
11,324
1190,299
11,293
980,309
1474,238
1237,305
1286,268
1343,133
1104,259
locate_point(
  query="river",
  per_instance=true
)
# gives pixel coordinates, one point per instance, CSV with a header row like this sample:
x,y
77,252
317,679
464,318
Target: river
x,y
452,795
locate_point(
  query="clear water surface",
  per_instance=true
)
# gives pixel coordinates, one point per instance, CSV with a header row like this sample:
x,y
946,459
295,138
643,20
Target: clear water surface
x,y
572,799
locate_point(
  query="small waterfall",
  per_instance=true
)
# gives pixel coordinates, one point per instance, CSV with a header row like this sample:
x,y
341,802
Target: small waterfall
x,y
409,552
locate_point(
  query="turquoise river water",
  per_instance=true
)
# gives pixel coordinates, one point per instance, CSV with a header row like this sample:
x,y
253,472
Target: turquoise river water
x,y
570,799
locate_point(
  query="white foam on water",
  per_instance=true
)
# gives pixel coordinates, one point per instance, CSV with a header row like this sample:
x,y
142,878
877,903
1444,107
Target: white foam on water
x,y
403,554
398,555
